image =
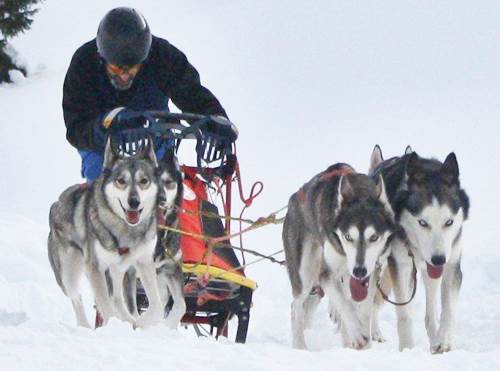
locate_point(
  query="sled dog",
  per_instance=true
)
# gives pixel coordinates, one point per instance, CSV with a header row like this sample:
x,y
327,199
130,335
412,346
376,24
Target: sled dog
x,y
430,205
335,235
168,255
105,228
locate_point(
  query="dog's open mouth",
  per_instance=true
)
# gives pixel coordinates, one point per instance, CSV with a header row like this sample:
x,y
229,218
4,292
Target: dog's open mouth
x,y
434,271
359,288
132,216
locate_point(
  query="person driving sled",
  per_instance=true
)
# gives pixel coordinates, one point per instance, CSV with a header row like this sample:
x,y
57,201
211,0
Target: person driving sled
x,y
126,69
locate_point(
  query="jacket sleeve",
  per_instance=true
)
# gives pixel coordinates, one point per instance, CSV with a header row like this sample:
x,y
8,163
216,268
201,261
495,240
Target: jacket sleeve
x,y
183,84
80,107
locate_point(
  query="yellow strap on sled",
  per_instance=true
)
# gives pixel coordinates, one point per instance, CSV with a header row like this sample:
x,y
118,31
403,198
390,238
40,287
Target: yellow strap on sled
x,y
219,273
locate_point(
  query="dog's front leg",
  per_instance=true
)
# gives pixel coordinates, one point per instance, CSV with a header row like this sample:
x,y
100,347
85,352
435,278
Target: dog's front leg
x,y
155,311
354,334
130,292
401,268
100,288
378,300
431,291
375,325
117,277
450,287
174,283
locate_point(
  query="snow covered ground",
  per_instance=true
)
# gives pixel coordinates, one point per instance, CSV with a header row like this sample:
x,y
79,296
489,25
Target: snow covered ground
x,y
308,84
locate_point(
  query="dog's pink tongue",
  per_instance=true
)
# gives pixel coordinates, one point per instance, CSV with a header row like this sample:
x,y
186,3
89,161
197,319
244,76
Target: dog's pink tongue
x,y
359,288
133,217
433,271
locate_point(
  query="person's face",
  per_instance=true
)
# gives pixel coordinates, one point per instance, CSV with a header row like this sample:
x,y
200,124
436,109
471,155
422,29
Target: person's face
x,y
122,77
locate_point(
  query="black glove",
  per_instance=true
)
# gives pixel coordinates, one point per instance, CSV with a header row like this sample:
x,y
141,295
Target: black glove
x,y
218,135
222,128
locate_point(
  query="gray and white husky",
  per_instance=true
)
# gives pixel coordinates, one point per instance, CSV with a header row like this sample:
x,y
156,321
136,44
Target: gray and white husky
x,y
335,235
105,228
430,206
168,255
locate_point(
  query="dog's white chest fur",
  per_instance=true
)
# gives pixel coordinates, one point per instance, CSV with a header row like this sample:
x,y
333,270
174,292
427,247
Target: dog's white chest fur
x,y
133,254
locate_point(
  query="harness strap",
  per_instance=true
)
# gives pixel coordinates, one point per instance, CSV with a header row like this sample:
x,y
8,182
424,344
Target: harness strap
x,y
338,171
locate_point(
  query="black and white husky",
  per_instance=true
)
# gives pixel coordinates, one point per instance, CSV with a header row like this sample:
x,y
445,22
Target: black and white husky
x,y
168,255
335,236
104,229
430,206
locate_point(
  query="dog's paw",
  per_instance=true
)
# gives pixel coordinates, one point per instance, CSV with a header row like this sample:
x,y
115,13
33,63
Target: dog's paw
x,y
171,323
377,336
356,339
442,343
124,315
441,347
149,318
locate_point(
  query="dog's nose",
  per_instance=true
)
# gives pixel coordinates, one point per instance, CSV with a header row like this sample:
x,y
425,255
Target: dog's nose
x,y
438,260
134,202
359,272
162,198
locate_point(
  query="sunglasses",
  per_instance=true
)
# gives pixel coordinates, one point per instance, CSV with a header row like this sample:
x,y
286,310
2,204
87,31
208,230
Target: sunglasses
x,y
120,70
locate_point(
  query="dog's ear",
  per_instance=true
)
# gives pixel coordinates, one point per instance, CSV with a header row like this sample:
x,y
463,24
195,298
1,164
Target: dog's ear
x,y
412,166
449,170
382,196
408,150
465,203
170,159
345,191
110,155
376,158
149,152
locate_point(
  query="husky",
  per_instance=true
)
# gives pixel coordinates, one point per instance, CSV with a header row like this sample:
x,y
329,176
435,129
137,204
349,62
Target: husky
x,y
431,207
335,234
104,228
168,255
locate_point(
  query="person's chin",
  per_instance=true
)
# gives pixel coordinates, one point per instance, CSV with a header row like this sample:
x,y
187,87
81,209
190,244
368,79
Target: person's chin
x,y
120,85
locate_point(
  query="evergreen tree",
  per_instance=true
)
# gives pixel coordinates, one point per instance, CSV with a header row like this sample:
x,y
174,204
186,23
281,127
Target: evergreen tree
x,y
15,17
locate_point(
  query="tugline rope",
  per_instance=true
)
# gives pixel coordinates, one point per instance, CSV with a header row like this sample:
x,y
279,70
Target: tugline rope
x,y
386,297
216,242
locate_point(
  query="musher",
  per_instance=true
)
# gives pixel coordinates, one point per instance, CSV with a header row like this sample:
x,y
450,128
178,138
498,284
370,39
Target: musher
x,y
126,69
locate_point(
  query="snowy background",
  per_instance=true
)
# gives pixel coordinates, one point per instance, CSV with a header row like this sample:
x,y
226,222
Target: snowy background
x,y
309,83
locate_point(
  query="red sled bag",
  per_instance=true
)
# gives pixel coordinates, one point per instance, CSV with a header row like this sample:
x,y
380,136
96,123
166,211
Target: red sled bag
x,y
198,218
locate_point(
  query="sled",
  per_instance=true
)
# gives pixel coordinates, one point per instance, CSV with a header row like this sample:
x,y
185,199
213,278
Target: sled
x,y
216,288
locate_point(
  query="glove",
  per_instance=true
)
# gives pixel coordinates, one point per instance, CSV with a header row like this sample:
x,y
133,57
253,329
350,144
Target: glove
x,y
122,118
222,128
218,134
114,121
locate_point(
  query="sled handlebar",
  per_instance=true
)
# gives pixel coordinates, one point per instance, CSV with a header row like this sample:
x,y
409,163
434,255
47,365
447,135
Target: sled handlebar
x,y
211,146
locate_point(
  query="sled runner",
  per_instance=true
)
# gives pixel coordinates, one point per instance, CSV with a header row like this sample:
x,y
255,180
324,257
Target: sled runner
x,y
215,286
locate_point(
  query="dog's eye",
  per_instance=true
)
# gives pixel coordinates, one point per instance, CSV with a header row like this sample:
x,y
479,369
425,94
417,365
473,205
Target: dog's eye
x,y
144,181
373,237
170,185
423,223
121,181
348,237
449,223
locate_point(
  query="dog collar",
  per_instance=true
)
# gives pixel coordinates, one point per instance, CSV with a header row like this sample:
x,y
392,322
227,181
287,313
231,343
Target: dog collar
x,y
123,250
